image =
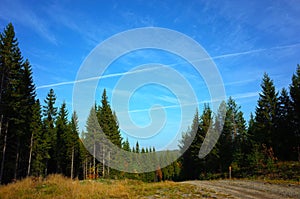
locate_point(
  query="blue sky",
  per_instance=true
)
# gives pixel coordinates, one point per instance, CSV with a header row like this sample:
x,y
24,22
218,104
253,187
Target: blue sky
x,y
244,38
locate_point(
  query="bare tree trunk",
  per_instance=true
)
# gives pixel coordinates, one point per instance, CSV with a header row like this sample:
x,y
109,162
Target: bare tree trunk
x,y
108,164
30,154
46,168
89,172
3,153
17,159
72,163
94,161
103,162
83,166
1,125
86,167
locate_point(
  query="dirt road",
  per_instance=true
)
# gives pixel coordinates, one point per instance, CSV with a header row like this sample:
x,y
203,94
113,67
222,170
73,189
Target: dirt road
x,y
247,189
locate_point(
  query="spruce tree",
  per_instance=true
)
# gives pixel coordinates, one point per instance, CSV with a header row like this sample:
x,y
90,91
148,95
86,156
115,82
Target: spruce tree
x,y
295,100
265,113
38,146
73,147
284,139
187,145
229,132
62,133
108,121
126,145
49,133
16,98
93,141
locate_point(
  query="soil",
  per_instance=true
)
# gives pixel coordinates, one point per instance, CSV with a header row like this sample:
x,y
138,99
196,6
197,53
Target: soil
x,y
247,189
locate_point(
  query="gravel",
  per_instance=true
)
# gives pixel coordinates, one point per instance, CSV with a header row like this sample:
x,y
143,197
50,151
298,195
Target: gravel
x,y
248,189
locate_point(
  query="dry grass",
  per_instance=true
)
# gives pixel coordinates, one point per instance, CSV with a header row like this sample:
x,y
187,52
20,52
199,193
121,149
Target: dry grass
x,y
56,186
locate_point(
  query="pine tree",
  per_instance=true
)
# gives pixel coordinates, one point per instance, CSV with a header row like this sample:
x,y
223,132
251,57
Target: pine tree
x,y
49,133
137,147
108,121
28,105
187,159
73,146
193,167
93,140
38,146
251,126
126,145
265,113
229,133
16,98
295,100
209,163
283,135
62,134
109,125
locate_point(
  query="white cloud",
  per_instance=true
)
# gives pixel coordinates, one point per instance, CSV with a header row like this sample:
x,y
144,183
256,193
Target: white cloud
x,y
17,11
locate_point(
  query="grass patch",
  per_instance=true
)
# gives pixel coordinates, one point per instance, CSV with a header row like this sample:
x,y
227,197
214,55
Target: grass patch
x,y
56,186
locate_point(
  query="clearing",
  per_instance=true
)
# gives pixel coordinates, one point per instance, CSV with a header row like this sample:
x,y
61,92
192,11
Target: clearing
x,y
56,186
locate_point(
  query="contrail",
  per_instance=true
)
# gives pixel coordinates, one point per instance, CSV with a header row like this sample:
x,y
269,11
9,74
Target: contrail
x,y
249,52
142,70
96,78
237,96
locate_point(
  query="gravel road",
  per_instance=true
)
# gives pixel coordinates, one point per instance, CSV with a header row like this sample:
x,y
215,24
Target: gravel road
x,y
247,189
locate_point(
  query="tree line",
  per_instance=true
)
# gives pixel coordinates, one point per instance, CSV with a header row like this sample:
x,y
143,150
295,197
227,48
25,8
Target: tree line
x,y
271,135
34,139
41,139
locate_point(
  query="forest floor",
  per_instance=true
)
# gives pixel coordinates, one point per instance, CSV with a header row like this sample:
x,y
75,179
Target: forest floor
x,y
56,186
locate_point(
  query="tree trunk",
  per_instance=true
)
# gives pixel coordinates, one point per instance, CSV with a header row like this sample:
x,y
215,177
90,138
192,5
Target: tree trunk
x,y
103,162
17,159
72,163
3,153
94,161
108,164
1,125
86,167
30,154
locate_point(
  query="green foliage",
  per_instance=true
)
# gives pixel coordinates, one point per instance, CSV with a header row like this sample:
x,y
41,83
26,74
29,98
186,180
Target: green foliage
x,y
17,96
295,122
49,134
35,141
39,146
265,114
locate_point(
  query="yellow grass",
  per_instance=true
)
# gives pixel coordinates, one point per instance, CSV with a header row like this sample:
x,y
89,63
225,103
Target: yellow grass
x,y
56,186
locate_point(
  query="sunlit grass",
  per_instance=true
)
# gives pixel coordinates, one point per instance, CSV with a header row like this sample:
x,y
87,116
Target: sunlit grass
x,y
56,186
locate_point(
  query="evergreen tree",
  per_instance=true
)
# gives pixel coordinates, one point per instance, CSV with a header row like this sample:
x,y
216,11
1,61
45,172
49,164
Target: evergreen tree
x,y
193,167
73,146
38,145
62,134
209,163
28,105
137,147
108,121
283,135
126,145
187,159
229,133
251,125
93,141
295,100
16,98
49,134
265,113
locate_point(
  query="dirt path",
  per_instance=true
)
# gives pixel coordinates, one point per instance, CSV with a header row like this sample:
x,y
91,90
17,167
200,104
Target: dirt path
x,y
247,189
